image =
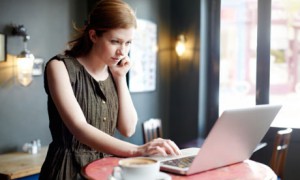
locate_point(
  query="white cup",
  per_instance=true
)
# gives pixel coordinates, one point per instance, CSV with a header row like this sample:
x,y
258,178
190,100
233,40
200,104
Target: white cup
x,y
137,168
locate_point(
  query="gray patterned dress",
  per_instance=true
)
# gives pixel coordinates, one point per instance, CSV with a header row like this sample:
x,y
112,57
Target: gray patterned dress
x,y
99,103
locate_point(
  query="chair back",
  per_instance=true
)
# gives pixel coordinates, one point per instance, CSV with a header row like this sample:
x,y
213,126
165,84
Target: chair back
x,y
152,129
280,149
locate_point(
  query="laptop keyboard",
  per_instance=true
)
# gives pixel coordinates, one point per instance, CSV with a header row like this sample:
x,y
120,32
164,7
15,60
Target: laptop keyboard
x,y
181,162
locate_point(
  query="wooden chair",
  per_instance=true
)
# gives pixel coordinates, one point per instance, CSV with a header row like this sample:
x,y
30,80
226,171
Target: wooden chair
x,y
152,129
280,149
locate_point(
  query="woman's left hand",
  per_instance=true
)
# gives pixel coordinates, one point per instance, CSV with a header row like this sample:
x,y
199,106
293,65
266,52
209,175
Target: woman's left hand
x,y
120,69
159,146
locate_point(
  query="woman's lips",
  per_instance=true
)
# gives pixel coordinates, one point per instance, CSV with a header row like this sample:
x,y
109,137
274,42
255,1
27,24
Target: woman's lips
x,y
117,58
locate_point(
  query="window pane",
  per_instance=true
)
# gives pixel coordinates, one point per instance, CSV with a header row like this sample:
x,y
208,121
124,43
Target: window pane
x,y
238,54
285,61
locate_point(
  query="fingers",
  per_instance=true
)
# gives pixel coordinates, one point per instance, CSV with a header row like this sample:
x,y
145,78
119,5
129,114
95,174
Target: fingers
x,y
168,147
171,147
120,69
152,150
163,147
175,147
124,61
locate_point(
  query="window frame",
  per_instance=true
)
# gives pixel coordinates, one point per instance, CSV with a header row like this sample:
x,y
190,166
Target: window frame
x,y
210,60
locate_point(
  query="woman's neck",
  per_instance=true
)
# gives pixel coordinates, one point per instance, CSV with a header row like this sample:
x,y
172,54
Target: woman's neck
x,y
95,67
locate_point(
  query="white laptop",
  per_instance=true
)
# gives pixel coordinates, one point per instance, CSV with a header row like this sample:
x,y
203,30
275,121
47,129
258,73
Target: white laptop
x,y
233,139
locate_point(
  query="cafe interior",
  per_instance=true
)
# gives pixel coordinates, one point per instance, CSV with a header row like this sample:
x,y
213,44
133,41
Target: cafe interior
x,y
206,56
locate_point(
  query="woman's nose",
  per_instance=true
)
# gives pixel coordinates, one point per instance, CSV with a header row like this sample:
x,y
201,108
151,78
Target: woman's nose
x,y
121,51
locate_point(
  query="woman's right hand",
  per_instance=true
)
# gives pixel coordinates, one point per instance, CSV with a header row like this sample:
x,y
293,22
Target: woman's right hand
x,y
120,70
159,146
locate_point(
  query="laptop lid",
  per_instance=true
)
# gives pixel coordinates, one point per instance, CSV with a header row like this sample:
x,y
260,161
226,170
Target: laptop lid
x,y
233,138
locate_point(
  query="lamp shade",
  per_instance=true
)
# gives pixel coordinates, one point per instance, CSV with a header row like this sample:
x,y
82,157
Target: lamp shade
x,y
25,65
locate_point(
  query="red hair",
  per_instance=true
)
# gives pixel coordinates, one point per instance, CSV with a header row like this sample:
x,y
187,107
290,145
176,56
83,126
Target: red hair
x,y
106,15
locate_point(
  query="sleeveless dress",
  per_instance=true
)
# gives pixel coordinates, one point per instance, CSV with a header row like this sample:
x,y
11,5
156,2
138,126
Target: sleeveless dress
x,y
99,103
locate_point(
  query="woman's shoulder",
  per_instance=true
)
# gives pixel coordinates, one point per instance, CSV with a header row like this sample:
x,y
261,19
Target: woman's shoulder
x,y
71,64
69,61
62,57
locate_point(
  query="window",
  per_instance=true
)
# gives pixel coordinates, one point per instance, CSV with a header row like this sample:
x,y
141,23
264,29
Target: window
x,y
250,55
237,54
285,61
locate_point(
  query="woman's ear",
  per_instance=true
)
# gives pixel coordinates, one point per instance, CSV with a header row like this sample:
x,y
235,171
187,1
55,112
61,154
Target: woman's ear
x,y
93,35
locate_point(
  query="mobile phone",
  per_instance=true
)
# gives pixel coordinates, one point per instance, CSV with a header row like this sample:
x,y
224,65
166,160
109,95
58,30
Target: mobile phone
x,y
120,62
123,58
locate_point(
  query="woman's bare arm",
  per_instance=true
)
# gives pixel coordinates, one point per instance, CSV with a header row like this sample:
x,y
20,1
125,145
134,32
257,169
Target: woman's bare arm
x,y
73,117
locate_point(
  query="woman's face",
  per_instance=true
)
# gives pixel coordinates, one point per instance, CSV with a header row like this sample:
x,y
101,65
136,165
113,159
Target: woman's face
x,y
113,45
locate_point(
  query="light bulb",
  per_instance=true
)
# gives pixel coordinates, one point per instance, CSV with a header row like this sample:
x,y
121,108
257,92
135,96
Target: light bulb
x,y
180,45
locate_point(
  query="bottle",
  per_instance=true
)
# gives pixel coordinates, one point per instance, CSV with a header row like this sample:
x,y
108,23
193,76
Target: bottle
x,y
34,149
27,147
39,146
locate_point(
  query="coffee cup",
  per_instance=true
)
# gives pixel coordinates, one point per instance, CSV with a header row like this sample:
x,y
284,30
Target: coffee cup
x,y
136,169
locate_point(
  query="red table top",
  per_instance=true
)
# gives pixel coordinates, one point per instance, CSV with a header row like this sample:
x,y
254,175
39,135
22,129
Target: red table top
x,y
247,170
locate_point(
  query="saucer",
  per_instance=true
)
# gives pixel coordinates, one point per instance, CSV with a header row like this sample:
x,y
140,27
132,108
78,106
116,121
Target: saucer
x,y
163,176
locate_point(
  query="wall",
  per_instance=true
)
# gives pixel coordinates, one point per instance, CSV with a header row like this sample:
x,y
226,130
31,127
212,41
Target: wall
x,y
175,100
23,111
154,104
184,81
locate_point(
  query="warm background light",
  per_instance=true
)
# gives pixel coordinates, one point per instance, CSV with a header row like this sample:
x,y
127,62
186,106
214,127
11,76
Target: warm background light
x,y
180,45
25,58
25,66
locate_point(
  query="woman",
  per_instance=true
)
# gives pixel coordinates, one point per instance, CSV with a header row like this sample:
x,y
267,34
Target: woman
x,y
88,96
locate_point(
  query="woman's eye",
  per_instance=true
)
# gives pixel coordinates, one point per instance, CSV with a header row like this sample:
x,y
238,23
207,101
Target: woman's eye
x,y
114,41
128,43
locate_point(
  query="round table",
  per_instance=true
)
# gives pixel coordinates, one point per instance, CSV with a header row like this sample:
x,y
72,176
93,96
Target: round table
x,y
246,170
